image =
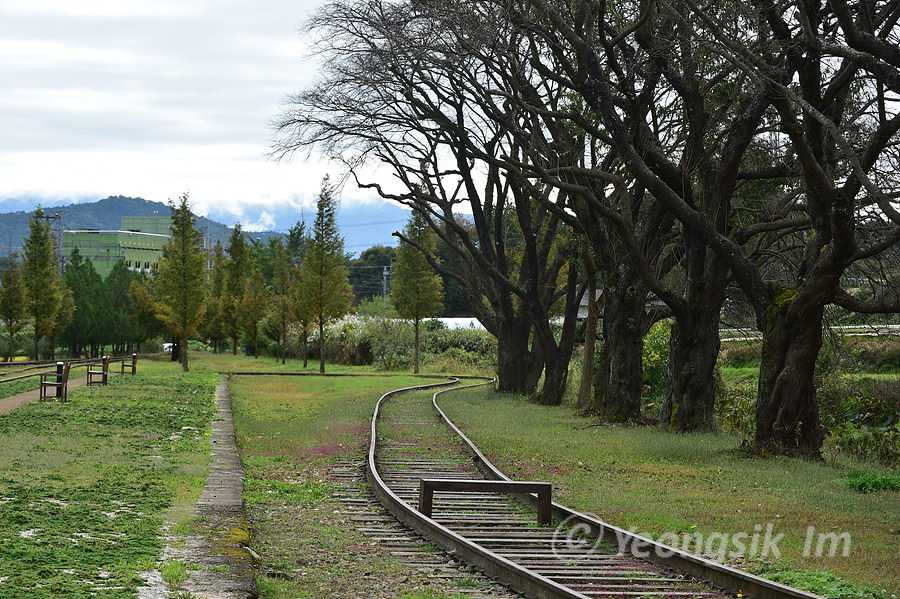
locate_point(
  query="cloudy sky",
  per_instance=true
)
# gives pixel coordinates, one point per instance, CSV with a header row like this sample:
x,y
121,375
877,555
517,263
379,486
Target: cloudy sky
x,y
153,98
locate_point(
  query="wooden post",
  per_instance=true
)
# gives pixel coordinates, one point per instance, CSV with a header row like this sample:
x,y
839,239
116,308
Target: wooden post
x,y
105,376
59,380
133,364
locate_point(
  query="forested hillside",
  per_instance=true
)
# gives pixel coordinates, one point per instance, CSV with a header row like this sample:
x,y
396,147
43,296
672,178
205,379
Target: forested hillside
x,y
103,214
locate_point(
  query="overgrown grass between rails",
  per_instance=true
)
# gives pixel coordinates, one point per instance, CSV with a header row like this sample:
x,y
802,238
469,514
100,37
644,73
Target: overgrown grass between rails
x,y
86,485
290,432
658,482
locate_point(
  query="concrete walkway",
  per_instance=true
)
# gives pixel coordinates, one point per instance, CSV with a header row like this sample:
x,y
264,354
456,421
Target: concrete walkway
x,y
221,552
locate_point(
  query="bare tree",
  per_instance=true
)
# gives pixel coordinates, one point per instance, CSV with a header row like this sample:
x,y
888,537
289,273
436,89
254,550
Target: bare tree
x,y
401,92
807,97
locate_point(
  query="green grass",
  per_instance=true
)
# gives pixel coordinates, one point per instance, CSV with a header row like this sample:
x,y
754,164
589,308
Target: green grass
x,y
290,432
257,490
432,595
818,581
21,386
174,573
641,478
870,482
85,486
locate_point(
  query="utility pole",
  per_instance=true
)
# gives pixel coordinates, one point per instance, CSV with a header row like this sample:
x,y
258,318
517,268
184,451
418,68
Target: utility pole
x,y
386,273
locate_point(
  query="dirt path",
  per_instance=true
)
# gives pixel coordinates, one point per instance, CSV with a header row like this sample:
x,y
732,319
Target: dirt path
x,y
8,404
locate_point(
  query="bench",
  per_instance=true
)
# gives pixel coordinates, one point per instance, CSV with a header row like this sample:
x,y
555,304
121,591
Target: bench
x,y
59,384
98,377
132,362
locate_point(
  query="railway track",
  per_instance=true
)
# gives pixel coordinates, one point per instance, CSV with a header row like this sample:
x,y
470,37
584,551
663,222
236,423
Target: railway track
x,y
574,557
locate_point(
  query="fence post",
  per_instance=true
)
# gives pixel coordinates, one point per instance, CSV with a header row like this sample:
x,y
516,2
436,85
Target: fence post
x,y
59,379
105,370
133,364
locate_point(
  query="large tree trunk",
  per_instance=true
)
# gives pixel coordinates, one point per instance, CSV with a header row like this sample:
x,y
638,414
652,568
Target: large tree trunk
x,y
617,395
556,375
518,367
321,348
184,351
787,417
416,348
304,340
557,354
689,394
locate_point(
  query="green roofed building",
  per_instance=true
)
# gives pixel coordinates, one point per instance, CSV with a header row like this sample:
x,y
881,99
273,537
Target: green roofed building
x,y
139,244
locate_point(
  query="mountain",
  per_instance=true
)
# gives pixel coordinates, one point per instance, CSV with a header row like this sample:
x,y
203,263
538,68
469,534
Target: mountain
x,y
361,225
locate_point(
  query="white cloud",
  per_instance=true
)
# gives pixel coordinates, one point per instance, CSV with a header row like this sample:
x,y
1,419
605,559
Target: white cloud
x,y
151,99
265,222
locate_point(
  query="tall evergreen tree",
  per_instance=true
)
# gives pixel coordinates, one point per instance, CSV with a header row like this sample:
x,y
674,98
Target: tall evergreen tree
x,y
213,327
147,315
180,278
43,294
325,292
296,243
12,302
237,270
282,309
89,327
64,316
416,290
120,327
252,308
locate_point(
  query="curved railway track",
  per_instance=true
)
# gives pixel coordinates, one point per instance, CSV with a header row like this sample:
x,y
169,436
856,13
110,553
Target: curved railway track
x,y
412,439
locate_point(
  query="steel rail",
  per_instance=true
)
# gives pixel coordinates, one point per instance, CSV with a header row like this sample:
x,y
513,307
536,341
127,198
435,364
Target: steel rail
x,y
721,575
505,570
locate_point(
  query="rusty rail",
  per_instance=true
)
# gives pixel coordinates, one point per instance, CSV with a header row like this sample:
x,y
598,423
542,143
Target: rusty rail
x,y
523,578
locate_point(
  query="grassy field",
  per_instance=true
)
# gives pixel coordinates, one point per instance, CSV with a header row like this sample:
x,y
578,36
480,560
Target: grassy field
x,y
291,432
85,486
694,483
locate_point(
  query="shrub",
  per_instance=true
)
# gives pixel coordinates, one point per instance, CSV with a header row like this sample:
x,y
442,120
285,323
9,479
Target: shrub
x,y
655,355
473,340
735,406
862,414
740,353
868,482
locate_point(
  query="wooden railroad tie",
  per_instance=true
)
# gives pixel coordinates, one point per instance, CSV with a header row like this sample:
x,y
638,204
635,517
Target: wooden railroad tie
x,y
427,487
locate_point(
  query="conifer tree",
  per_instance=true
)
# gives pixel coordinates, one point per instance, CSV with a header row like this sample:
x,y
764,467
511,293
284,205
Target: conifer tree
x,y
213,327
252,308
12,302
181,278
237,270
325,292
120,327
282,309
416,290
41,277
89,326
